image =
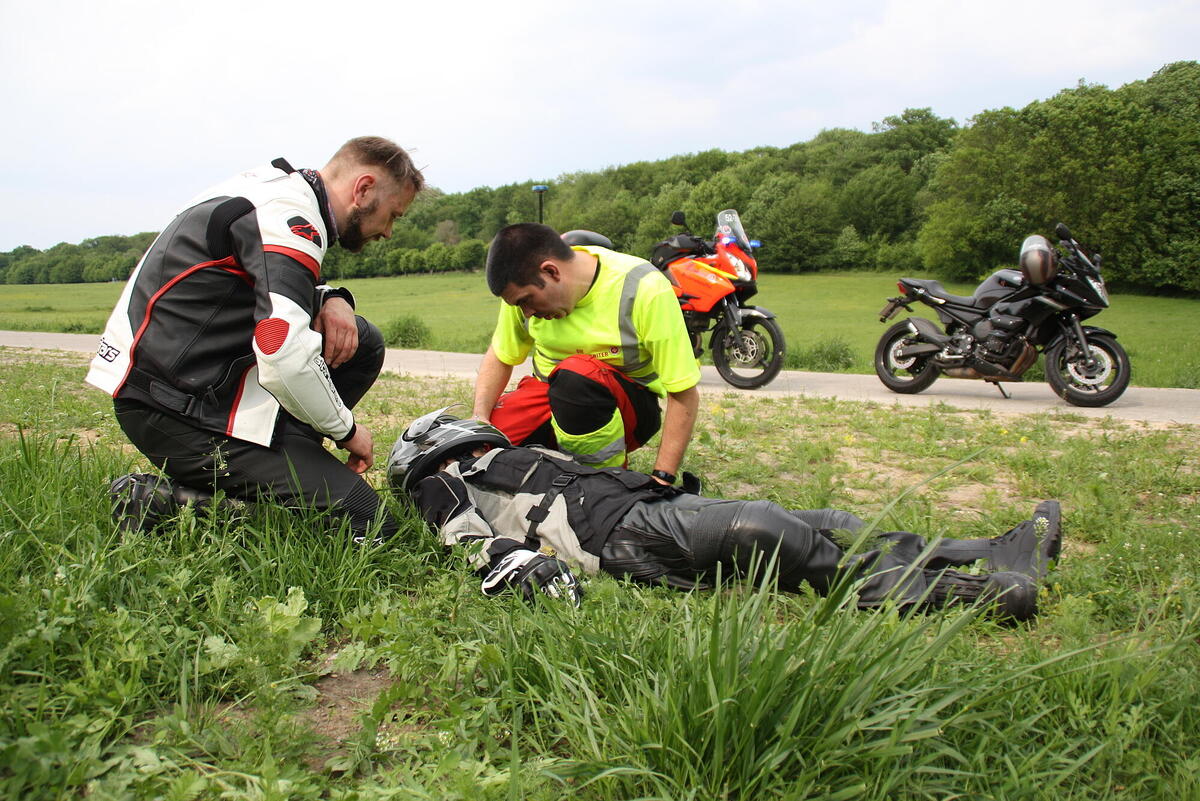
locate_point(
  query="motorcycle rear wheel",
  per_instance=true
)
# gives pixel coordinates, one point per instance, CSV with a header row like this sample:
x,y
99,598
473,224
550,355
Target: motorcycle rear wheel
x,y
906,375
1081,385
752,356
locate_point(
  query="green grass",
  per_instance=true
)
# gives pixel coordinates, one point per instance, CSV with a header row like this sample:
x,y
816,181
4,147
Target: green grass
x,y
213,659
830,321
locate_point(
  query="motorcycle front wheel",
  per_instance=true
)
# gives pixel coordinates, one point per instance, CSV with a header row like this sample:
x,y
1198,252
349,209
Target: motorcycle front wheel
x,y
1082,384
750,357
907,375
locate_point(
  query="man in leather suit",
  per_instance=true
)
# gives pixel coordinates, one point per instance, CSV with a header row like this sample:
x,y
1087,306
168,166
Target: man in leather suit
x,y
531,517
229,361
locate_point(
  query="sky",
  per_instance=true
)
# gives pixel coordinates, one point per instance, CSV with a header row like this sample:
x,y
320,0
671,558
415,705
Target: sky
x,y
116,112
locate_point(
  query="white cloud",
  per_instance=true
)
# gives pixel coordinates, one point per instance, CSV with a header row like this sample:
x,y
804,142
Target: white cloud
x,y
125,109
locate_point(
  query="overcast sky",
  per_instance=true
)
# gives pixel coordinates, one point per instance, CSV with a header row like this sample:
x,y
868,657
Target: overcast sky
x,y
117,111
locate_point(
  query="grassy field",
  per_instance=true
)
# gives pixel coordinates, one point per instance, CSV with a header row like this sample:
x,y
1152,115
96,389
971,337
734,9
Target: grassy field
x,y
269,658
830,321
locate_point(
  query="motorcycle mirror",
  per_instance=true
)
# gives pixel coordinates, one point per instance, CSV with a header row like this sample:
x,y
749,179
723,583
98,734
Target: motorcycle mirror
x,y
1062,231
677,218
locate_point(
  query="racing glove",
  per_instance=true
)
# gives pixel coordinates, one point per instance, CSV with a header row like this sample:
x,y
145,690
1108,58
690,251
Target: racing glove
x,y
530,571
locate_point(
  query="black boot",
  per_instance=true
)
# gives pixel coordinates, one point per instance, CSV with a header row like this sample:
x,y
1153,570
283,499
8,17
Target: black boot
x,y
1012,596
1030,547
141,501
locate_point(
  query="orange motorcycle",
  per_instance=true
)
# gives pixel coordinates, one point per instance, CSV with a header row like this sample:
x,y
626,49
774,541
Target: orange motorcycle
x,y
713,279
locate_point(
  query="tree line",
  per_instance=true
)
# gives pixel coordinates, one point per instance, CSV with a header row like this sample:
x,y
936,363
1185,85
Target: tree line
x,y
919,193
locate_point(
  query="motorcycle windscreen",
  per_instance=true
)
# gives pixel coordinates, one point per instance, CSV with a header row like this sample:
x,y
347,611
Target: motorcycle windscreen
x,y
730,224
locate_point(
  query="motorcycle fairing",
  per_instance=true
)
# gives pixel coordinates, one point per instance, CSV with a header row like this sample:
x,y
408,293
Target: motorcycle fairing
x,y
730,224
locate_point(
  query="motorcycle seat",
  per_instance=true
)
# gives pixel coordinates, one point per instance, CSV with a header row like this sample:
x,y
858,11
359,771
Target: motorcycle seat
x,y
935,288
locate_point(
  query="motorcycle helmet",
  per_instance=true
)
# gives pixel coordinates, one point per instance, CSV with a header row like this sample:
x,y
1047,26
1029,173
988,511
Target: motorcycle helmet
x,y
430,440
582,237
1039,262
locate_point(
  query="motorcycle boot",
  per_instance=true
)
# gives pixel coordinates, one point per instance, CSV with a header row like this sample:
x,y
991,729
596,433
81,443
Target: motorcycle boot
x,y
1028,548
143,501
1010,596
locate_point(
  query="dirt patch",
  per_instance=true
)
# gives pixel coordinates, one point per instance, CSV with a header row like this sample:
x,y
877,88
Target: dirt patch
x,y
974,495
1077,549
334,717
873,479
69,358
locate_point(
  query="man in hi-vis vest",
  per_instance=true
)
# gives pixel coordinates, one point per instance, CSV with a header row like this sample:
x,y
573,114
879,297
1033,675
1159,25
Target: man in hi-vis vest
x,y
607,340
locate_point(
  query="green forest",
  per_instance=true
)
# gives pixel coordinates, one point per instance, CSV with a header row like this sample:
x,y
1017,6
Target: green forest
x,y
919,193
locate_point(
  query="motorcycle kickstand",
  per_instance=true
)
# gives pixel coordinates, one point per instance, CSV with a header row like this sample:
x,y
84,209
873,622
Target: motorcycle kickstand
x,y
996,384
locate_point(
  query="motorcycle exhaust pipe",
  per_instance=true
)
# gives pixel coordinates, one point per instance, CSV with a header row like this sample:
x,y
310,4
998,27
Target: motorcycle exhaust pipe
x,y
926,330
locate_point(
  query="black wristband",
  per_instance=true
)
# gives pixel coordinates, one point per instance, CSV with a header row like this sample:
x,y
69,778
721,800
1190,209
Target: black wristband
x,y
338,292
341,443
663,475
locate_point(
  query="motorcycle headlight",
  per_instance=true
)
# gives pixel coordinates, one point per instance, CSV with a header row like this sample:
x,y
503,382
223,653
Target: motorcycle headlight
x,y
739,268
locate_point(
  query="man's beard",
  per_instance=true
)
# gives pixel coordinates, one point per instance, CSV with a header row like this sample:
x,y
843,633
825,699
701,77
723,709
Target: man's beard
x,y
351,237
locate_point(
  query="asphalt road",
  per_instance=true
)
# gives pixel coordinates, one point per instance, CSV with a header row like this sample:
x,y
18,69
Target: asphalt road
x,y
1146,404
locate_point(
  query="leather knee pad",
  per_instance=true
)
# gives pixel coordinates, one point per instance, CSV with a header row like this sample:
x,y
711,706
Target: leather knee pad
x,y
579,404
648,559
731,533
354,378
760,531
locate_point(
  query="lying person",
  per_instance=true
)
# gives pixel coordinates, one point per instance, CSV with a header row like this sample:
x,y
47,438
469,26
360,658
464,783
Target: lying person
x,y
532,516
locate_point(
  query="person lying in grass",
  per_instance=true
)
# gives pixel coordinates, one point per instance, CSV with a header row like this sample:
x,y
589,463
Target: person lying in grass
x,y
532,517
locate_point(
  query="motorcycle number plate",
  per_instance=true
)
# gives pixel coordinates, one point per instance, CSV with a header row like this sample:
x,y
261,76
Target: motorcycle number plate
x,y
889,311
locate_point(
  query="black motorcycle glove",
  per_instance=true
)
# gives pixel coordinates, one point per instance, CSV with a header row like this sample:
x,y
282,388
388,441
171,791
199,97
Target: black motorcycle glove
x,y
530,572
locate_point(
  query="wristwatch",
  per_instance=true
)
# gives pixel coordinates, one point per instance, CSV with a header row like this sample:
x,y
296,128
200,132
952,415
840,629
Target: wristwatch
x,y
663,475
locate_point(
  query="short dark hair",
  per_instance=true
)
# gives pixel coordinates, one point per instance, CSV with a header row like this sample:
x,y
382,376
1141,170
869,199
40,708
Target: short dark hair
x,y
375,151
517,252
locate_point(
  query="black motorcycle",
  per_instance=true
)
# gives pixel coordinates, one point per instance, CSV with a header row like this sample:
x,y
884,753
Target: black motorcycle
x,y
996,333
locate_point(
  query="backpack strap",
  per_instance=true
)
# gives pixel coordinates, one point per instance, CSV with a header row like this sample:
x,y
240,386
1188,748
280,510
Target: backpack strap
x,y
540,512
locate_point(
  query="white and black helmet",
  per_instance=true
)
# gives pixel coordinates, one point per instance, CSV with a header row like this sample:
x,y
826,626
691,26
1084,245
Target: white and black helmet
x,y
1039,262
431,439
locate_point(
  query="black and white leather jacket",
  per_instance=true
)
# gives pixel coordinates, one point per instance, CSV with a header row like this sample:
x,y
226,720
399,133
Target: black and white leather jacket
x,y
214,324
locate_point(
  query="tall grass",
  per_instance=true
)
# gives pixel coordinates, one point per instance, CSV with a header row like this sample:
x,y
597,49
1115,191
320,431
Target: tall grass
x,y
185,664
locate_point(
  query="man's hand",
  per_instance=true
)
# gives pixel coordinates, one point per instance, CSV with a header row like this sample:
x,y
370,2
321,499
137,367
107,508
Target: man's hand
x,y
493,377
362,449
678,421
336,323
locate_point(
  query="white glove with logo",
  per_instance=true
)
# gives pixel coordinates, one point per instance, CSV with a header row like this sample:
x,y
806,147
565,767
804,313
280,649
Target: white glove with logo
x,y
531,571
